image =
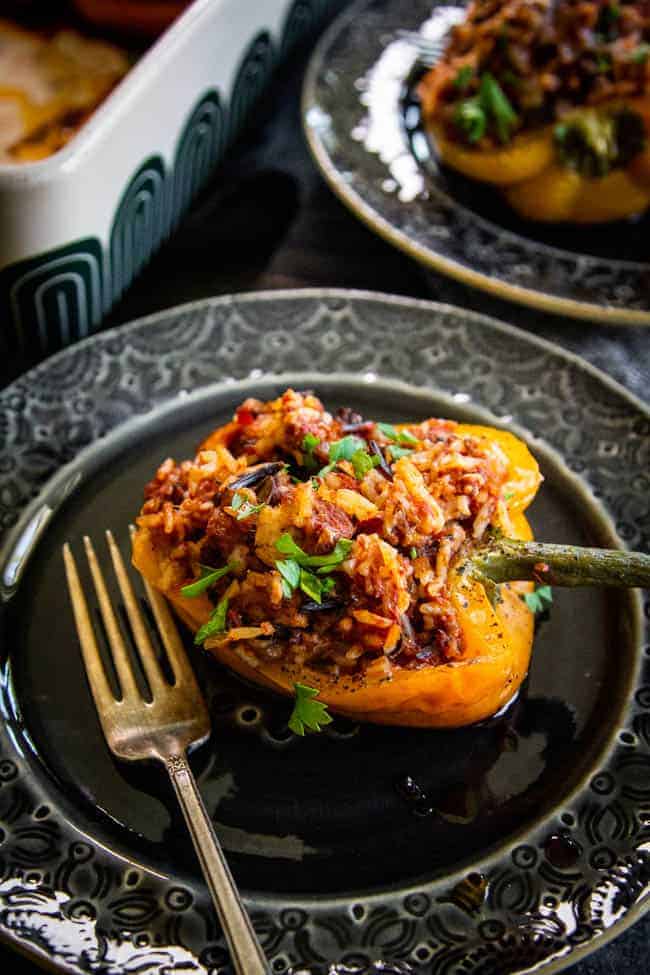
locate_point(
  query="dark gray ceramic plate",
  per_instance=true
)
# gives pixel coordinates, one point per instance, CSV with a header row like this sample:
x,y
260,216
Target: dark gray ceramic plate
x,y
491,849
363,130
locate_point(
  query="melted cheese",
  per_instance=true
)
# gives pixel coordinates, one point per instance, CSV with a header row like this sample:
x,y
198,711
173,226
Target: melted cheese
x,y
49,86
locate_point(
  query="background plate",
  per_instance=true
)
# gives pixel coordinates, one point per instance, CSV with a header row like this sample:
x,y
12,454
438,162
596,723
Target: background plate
x,y
518,842
364,137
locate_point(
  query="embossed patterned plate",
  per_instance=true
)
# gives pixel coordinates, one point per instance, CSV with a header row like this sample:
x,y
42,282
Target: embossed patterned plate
x,y
364,132
492,849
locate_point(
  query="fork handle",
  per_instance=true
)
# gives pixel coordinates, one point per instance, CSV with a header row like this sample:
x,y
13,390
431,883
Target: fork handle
x,y
246,954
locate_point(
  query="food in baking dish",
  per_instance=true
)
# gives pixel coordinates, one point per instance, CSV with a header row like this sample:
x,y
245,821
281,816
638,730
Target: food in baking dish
x,y
50,83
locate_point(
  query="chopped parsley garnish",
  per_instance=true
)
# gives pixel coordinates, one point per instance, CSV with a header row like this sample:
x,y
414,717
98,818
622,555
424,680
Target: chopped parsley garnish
x,y
294,577
413,552
311,585
243,507
287,546
496,104
339,553
216,623
345,448
464,77
290,572
208,577
308,713
397,452
491,105
362,462
354,450
309,444
470,117
295,569
399,436
540,600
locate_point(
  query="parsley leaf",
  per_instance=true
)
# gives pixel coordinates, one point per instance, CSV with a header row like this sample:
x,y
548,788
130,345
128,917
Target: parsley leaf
x,y
308,713
397,452
327,562
243,506
311,585
399,436
405,436
496,104
294,570
207,578
216,623
309,444
362,463
287,546
388,430
339,553
540,600
345,448
471,119
290,572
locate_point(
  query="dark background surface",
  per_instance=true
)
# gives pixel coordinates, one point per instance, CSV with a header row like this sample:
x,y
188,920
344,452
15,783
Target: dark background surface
x,y
268,221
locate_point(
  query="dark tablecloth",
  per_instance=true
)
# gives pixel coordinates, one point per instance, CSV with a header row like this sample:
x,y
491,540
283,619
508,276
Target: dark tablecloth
x,y
268,221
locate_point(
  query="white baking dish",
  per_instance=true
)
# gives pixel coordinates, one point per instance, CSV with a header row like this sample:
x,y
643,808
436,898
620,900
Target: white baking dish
x,y
76,228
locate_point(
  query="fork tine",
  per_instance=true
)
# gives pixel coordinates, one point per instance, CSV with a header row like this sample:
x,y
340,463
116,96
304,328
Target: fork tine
x,y
101,691
157,683
119,652
170,637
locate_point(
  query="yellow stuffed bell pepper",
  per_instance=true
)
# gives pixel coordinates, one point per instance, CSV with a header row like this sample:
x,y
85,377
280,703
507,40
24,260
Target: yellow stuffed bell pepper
x,y
549,175
496,641
384,570
548,101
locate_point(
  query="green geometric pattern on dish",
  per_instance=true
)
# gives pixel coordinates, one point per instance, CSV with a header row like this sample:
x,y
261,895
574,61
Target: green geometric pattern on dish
x,y
138,227
200,148
252,77
53,299
303,18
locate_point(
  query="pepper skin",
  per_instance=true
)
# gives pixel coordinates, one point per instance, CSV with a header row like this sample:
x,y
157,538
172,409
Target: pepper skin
x,y
497,642
538,186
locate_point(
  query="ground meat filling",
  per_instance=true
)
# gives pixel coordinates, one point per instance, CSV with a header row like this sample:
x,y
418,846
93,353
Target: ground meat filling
x,y
390,509
548,58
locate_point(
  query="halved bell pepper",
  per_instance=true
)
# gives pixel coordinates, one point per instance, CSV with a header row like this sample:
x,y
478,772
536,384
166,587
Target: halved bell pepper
x,y
497,639
540,186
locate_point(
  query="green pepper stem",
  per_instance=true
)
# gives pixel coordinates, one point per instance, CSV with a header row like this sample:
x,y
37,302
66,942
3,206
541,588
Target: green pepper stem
x,y
510,560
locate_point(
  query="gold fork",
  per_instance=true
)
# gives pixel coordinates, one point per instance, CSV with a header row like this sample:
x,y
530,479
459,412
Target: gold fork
x,y
163,728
